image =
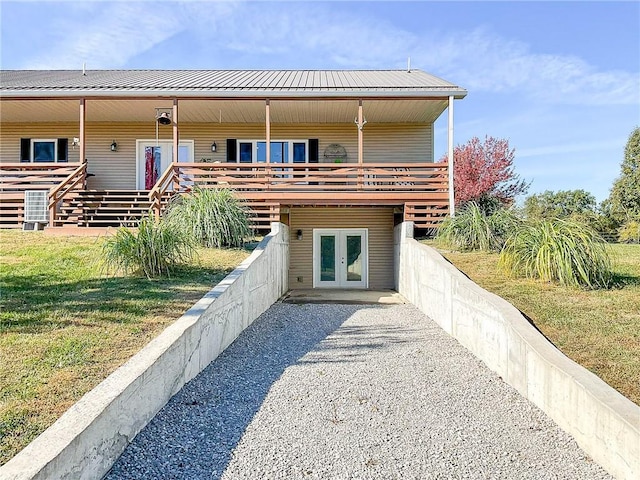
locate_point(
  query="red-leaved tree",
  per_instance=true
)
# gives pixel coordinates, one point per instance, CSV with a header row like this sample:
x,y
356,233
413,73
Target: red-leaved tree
x,y
483,172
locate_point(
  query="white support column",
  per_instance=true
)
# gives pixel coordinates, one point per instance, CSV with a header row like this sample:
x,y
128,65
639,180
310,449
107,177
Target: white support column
x,y
176,132
268,128
83,115
452,206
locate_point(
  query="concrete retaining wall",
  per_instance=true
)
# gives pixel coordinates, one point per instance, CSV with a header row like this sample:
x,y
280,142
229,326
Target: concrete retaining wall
x,y
90,436
605,424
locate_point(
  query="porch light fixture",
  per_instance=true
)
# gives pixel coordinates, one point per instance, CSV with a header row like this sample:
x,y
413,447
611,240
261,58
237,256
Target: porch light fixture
x,y
214,147
299,234
114,146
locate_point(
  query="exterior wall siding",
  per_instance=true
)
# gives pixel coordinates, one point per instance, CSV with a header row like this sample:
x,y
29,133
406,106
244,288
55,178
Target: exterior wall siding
x,y
117,170
379,221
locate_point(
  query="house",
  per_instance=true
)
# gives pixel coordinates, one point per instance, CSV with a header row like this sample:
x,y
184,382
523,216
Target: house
x,y
339,156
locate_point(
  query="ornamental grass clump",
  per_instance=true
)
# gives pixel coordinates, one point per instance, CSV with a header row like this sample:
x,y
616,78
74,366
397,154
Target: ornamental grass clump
x,y
473,229
155,249
216,218
555,250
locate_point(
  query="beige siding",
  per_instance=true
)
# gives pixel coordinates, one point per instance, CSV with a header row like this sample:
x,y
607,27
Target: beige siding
x,y
379,221
11,133
117,170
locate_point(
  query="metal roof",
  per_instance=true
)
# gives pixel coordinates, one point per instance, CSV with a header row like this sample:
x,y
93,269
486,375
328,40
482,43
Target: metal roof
x,y
226,83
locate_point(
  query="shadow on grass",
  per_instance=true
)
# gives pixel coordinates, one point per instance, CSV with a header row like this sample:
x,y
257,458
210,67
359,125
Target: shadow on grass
x,y
622,280
36,303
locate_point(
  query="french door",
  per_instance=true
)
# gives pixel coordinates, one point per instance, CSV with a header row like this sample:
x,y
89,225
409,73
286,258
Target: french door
x,y
153,158
340,258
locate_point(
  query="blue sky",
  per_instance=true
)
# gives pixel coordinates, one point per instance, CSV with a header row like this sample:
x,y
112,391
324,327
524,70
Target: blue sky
x,y
559,80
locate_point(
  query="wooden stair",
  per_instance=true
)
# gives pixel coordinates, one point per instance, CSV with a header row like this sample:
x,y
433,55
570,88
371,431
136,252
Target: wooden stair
x,y
104,208
115,208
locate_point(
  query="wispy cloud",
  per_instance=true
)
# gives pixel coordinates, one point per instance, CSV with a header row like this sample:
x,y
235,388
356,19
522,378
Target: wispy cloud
x,y
108,34
328,35
483,61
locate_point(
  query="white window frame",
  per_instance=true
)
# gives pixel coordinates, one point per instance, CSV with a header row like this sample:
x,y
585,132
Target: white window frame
x,y
32,148
182,143
340,248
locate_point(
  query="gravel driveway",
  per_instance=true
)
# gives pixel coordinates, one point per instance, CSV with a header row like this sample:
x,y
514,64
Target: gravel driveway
x,y
350,392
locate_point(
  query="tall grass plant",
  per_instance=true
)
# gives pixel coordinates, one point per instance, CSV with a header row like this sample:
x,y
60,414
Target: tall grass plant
x,y
472,229
154,249
555,250
216,218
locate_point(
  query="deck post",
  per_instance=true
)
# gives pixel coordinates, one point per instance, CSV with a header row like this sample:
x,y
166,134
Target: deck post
x,y
452,206
83,148
176,132
360,145
267,111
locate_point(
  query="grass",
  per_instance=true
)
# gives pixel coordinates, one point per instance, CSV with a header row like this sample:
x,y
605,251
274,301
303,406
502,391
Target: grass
x,y
64,326
599,329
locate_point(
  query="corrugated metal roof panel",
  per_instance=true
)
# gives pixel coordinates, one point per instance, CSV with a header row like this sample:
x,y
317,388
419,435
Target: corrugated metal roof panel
x,y
213,82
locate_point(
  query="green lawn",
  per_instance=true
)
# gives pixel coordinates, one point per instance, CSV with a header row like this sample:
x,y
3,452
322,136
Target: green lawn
x,y
599,329
65,326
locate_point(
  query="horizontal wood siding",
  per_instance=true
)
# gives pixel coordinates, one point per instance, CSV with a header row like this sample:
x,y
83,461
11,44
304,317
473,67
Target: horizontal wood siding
x,y
379,221
117,170
13,132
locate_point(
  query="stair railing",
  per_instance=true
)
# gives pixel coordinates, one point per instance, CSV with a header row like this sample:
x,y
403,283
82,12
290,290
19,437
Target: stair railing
x,y
76,180
171,176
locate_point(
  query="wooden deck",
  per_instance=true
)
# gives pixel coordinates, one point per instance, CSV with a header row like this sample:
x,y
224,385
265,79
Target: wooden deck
x,y
421,189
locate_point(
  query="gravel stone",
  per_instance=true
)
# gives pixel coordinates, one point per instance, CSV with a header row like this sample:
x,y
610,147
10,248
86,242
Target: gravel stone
x,y
350,392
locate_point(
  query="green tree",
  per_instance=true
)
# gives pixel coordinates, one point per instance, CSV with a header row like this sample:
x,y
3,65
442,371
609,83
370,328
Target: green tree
x,y
561,204
625,193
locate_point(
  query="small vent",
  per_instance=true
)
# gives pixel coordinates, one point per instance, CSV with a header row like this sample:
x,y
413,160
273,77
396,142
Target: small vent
x,y
36,208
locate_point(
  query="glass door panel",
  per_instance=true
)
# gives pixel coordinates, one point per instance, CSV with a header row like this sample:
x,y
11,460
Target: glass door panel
x,y
353,258
328,258
152,165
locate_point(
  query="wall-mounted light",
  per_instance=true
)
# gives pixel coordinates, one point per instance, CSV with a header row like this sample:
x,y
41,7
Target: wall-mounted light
x,y
75,142
114,146
299,234
214,147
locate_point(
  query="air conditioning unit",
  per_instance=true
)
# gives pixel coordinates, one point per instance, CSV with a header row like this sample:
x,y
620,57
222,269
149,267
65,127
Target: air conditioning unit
x,y
36,209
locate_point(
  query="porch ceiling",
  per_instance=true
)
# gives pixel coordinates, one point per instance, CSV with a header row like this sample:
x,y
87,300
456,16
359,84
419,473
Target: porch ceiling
x,y
225,111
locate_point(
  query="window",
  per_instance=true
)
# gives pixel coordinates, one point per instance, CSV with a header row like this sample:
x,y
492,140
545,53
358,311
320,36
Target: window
x,y
282,151
245,152
41,150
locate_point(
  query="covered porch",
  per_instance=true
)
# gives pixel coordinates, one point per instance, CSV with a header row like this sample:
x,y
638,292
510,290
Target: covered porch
x,y
317,141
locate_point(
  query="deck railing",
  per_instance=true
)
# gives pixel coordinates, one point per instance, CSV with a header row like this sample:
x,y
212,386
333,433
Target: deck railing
x,y
169,178
313,180
76,180
16,177
32,176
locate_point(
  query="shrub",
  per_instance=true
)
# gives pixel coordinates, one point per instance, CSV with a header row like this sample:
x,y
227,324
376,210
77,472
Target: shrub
x,y
630,232
155,249
215,218
473,229
568,252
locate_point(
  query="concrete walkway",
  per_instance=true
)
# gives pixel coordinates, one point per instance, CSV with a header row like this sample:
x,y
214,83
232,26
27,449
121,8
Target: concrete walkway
x,y
350,391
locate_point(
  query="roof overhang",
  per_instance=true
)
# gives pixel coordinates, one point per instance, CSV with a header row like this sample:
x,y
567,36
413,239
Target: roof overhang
x,y
234,110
